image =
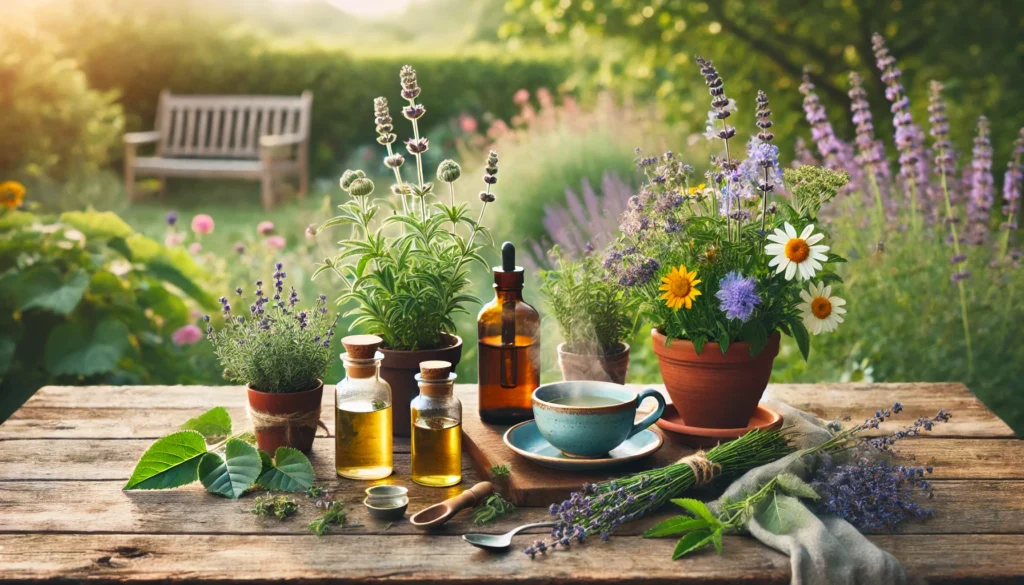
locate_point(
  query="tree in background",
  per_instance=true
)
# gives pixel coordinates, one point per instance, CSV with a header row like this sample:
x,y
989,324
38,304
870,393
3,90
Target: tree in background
x,y
648,48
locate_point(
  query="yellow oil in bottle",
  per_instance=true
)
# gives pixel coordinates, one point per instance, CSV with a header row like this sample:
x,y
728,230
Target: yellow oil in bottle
x,y
436,451
363,439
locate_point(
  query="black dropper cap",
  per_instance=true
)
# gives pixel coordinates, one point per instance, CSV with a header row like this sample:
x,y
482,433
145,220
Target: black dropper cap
x,y
508,275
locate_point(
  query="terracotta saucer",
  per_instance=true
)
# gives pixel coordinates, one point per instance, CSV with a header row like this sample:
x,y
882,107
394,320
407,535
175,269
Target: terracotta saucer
x,y
764,419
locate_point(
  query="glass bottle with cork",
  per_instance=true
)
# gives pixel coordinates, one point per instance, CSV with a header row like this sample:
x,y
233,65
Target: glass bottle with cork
x,y
436,427
362,413
509,347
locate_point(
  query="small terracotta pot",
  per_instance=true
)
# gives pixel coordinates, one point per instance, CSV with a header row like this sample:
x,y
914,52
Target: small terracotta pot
x,y
398,370
302,405
715,390
602,368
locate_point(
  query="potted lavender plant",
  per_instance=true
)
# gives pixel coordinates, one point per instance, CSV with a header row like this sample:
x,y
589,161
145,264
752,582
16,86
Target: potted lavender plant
x,y
596,317
724,266
280,353
407,273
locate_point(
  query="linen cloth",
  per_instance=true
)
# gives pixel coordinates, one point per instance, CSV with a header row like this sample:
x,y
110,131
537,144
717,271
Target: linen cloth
x,y
824,550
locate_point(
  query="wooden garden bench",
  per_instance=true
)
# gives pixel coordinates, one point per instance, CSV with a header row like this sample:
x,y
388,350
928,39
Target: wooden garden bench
x,y
232,137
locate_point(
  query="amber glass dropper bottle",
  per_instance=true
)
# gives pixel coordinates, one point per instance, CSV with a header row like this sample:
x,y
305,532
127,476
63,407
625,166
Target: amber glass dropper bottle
x,y
509,347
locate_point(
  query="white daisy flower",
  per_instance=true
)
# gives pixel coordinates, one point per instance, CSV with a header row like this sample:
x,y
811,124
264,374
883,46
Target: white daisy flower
x,y
800,255
821,311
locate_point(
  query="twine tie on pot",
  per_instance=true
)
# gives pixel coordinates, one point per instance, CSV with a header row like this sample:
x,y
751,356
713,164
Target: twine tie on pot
x,y
293,420
704,470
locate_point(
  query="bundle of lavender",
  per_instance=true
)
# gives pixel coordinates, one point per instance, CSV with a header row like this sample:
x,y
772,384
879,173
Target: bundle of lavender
x,y
601,508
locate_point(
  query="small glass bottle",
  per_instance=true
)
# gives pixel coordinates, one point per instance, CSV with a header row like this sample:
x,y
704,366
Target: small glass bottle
x,y
362,412
509,347
436,427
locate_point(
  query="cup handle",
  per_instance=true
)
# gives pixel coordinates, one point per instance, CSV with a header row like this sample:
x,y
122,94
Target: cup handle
x,y
649,393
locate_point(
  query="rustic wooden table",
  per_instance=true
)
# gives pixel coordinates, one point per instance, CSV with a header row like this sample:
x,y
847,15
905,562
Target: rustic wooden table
x,y
65,455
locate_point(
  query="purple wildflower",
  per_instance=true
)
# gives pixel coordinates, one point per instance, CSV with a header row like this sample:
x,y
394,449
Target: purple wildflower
x,y
871,494
821,129
1012,184
172,218
908,135
981,197
738,296
721,108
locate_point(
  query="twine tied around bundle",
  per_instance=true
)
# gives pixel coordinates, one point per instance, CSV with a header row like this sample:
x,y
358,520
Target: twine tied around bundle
x,y
704,470
309,419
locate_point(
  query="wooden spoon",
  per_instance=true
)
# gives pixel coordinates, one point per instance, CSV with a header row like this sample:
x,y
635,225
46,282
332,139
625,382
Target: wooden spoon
x,y
438,514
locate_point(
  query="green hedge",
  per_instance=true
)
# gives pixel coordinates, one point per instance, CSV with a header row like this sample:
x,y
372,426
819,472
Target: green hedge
x,y
140,50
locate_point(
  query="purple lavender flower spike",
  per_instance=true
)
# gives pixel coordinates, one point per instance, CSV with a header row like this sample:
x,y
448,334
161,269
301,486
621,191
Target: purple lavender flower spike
x,y
981,197
821,129
1011,189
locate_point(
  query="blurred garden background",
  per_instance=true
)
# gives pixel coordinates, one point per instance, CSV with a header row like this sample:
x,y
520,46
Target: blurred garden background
x,y
97,290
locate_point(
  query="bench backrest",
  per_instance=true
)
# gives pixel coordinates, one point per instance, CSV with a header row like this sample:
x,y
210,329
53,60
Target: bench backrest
x,y
227,126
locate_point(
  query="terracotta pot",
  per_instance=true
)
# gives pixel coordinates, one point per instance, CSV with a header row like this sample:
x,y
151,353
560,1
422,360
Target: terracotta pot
x,y
302,407
715,390
398,370
601,368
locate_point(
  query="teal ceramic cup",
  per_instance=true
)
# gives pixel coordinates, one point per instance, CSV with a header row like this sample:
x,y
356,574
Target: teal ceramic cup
x,y
587,419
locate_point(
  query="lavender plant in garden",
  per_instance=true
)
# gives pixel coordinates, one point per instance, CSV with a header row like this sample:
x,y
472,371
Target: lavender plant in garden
x,y
870,152
1011,193
979,204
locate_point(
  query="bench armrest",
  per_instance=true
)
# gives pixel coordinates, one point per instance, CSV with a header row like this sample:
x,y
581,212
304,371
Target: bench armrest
x,y
279,140
142,137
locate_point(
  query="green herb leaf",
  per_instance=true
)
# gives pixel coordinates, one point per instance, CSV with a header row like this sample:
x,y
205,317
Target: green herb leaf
x,y
796,487
697,508
212,424
170,462
803,339
231,475
691,542
675,526
716,538
754,333
291,471
780,514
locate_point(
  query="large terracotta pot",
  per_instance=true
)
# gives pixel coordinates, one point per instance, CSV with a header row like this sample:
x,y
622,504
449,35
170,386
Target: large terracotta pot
x,y
715,390
398,370
285,419
602,368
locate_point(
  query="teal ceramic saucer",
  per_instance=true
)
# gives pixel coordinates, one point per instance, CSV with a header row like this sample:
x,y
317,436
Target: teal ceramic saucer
x,y
526,440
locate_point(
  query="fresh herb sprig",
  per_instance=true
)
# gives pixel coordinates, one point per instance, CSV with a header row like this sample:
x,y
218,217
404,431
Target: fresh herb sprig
x,y
494,507
334,516
281,507
600,509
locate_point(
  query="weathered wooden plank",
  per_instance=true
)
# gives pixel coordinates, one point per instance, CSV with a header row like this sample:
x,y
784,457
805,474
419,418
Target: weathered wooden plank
x,y
70,459
961,507
365,559
852,402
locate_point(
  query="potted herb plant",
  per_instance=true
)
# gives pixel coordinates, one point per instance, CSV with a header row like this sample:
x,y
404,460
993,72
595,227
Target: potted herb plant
x,y
723,266
407,273
279,352
596,317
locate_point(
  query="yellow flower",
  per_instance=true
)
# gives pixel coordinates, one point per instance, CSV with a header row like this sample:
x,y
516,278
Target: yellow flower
x,y
697,189
11,194
680,288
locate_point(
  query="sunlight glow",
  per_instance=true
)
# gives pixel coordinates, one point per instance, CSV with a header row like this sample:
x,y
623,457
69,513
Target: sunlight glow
x,y
370,8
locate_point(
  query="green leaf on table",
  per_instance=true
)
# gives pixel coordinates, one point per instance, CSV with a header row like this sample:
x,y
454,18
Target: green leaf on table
x,y
43,287
212,424
691,542
78,349
675,526
170,462
754,333
780,514
796,487
248,437
266,463
697,508
233,474
716,538
291,471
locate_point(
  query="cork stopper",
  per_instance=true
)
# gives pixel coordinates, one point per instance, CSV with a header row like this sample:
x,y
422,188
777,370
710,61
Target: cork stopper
x,y
435,370
361,347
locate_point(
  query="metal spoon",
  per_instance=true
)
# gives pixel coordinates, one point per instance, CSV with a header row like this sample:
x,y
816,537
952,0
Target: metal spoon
x,y
500,541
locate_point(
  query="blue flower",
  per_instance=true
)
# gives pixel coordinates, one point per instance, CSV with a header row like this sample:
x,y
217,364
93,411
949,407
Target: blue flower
x,y
738,296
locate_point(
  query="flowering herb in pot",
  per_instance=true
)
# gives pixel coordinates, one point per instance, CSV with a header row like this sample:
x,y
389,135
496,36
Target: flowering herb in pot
x,y
721,266
279,351
407,273
596,317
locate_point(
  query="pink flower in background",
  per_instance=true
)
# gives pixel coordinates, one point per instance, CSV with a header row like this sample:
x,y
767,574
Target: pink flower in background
x,y
545,98
521,97
265,228
187,335
240,248
174,239
202,224
497,130
467,124
276,242
195,248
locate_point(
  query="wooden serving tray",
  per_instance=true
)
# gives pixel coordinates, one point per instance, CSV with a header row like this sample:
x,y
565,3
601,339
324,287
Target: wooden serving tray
x,y
531,484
